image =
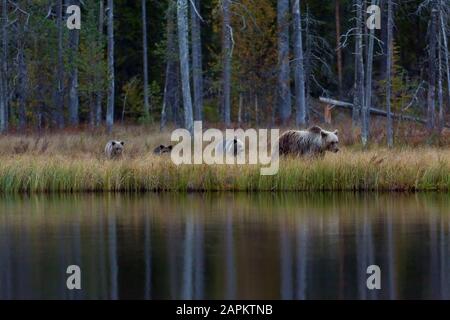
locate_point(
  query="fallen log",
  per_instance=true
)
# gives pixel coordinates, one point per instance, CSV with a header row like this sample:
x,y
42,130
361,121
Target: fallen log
x,y
375,111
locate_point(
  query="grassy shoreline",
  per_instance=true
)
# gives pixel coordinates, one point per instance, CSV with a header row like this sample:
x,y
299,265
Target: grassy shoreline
x,y
74,162
424,169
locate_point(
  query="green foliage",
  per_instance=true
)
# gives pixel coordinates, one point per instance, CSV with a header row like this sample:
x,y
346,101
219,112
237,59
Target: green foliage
x,y
403,87
91,59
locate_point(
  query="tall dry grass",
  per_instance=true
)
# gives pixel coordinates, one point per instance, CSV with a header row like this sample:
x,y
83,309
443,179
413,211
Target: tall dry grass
x,y
74,162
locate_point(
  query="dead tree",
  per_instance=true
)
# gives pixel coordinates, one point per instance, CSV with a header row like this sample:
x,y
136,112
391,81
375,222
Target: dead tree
x,y
4,69
431,96
74,40
99,94
358,98
365,128
226,53
171,99
182,12
284,87
59,93
299,66
197,68
390,23
111,74
337,10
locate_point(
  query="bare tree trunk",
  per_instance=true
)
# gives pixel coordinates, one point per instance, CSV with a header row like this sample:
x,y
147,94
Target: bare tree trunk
x,y
22,85
256,109
299,67
111,88
390,22
59,94
22,71
358,98
440,90
197,68
338,45
227,52
171,82
165,100
445,42
432,71
145,58
2,104
3,70
74,40
99,94
284,87
182,12
365,132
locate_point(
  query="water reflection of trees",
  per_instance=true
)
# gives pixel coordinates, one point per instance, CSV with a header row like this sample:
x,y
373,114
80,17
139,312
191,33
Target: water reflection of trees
x,y
290,246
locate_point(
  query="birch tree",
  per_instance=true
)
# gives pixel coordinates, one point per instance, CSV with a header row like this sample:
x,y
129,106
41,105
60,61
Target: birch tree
x,y
4,69
22,89
358,97
171,99
444,11
337,10
390,22
111,75
299,70
227,52
99,95
74,40
431,95
145,59
368,86
59,94
439,82
197,68
284,89
182,14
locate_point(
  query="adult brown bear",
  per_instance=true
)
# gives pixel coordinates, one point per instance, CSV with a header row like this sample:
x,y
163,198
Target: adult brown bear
x,y
313,141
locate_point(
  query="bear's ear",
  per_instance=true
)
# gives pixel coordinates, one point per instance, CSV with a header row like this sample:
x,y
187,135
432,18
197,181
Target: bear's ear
x,y
324,134
336,132
113,143
315,129
170,147
122,143
161,146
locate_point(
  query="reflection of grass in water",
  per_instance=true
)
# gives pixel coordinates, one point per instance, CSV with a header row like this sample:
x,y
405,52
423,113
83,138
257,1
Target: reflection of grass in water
x,y
74,163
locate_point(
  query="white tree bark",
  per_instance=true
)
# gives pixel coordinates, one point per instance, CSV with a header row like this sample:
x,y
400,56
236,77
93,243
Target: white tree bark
x,y
445,46
390,132
3,70
440,89
358,98
431,96
284,88
74,40
182,12
111,76
197,68
227,52
99,95
365,132
299,67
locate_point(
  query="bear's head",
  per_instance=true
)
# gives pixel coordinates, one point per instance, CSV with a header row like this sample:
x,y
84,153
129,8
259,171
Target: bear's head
x,y
162,149
117,147
330,140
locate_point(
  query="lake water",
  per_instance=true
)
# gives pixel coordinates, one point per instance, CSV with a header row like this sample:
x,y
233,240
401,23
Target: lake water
x,y
225,246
